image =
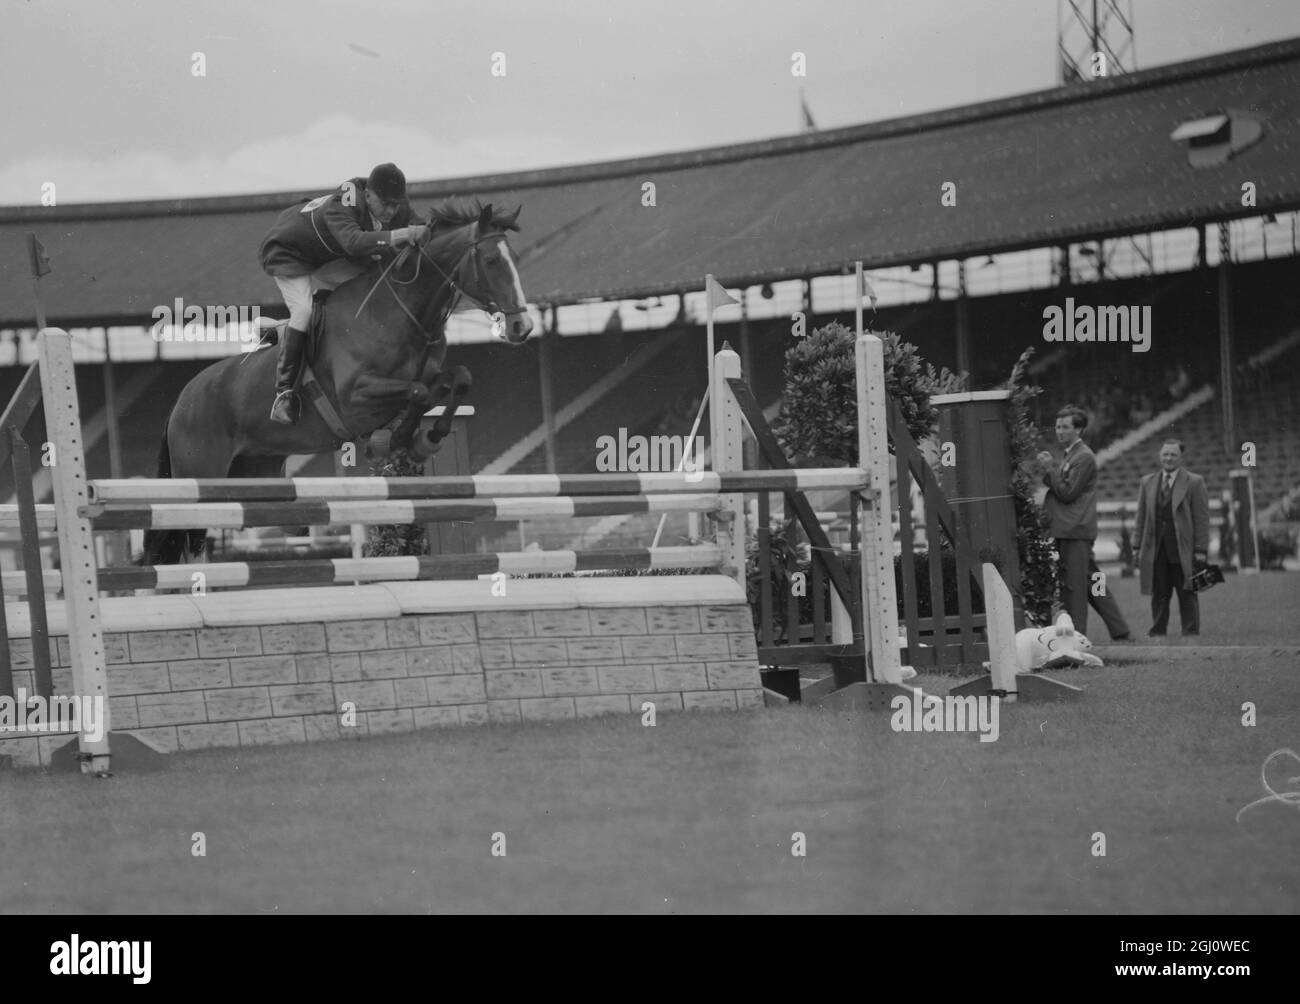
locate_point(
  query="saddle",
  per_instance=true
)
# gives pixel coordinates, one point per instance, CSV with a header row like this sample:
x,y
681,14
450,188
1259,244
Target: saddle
x,y
315,326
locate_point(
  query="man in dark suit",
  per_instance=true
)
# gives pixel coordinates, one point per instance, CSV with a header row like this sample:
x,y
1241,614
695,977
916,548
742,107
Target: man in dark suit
x,y
1071,505
1173,532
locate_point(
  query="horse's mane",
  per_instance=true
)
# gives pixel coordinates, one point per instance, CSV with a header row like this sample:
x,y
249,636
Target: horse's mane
x,y
459,212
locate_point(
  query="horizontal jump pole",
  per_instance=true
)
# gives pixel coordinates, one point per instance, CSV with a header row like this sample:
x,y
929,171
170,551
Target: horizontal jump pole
x,y
44,517
15,583
239,515
338,571
159,490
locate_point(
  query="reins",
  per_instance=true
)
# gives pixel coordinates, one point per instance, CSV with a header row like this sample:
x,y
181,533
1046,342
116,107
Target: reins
x,y
457,289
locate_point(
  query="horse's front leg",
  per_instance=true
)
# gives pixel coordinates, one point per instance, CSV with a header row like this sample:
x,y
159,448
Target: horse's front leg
x,y
449,389
421,400
377,400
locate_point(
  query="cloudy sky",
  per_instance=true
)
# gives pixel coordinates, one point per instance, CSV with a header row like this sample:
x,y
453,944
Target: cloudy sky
x,y
103,100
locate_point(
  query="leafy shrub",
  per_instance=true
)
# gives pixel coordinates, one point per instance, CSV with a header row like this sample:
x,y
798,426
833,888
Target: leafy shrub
x,y
819,405
1037,551
395,541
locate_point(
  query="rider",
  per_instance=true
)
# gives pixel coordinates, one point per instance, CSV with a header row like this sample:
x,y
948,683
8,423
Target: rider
x,y
316,246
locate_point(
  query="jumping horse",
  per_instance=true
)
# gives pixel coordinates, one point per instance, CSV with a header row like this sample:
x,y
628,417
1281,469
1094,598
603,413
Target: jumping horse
x,y
375,356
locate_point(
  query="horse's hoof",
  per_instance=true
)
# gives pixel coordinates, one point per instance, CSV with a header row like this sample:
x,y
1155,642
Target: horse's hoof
x,y
424,445
380,444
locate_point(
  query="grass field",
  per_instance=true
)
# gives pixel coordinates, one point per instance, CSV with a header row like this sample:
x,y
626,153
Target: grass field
x,y
696,814
1245,610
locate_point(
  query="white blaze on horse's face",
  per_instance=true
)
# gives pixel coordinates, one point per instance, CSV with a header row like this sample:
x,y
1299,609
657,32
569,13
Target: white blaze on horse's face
x,y
512,323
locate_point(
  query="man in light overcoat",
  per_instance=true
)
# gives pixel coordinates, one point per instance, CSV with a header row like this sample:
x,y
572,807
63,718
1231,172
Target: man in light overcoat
x,y
1173,533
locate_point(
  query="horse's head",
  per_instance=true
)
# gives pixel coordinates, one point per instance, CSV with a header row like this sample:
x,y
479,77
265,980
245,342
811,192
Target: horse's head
x,y
488,274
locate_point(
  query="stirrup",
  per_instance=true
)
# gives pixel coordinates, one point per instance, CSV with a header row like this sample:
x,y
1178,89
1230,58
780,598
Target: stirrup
x,y
270,334
291,405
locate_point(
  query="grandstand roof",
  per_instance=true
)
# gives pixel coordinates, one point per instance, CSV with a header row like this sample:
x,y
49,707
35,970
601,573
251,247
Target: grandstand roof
x,y
1074,163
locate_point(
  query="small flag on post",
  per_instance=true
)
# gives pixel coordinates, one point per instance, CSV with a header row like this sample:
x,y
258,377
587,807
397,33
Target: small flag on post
x,y
718,297
865,289
40,266
808,124
40,260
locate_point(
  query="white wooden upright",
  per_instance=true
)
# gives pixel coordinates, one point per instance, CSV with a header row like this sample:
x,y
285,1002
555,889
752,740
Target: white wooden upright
x,y
726,438
1000,621
76,543
879,596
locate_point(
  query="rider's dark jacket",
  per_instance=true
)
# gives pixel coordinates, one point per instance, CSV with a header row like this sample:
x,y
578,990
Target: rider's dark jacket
x,y
306,236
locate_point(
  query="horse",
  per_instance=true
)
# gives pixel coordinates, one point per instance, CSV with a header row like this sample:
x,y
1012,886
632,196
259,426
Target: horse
x,y
377,351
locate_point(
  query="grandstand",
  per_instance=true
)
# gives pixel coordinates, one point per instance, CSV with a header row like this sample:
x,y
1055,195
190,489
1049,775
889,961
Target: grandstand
x,y
1269,417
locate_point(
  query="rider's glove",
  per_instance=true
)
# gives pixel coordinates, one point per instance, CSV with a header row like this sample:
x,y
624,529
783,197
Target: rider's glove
x,y
409,235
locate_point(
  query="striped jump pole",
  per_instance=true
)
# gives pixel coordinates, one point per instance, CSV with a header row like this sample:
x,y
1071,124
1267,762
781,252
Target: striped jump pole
x,y
322,572
173,490
240,515
45,518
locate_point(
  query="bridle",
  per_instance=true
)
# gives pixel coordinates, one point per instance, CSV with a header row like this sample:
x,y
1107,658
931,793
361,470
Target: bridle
x,y
458,289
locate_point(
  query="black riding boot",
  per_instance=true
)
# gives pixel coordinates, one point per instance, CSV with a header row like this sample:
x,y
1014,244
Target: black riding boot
x,y
285,407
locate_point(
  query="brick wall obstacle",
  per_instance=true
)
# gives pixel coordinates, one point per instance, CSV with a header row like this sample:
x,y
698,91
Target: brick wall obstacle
x,y
285,665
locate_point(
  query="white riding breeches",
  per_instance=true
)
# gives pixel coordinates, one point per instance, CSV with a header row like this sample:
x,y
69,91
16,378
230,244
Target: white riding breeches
x,y
297,290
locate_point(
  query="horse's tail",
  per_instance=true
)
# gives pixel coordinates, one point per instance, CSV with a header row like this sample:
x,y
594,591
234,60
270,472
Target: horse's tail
x,y
166,547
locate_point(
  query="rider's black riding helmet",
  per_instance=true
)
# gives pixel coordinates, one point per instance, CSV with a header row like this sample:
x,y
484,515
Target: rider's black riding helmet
x,y
387,182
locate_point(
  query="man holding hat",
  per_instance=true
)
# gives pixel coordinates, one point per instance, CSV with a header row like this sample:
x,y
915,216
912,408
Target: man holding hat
x,y
317,246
